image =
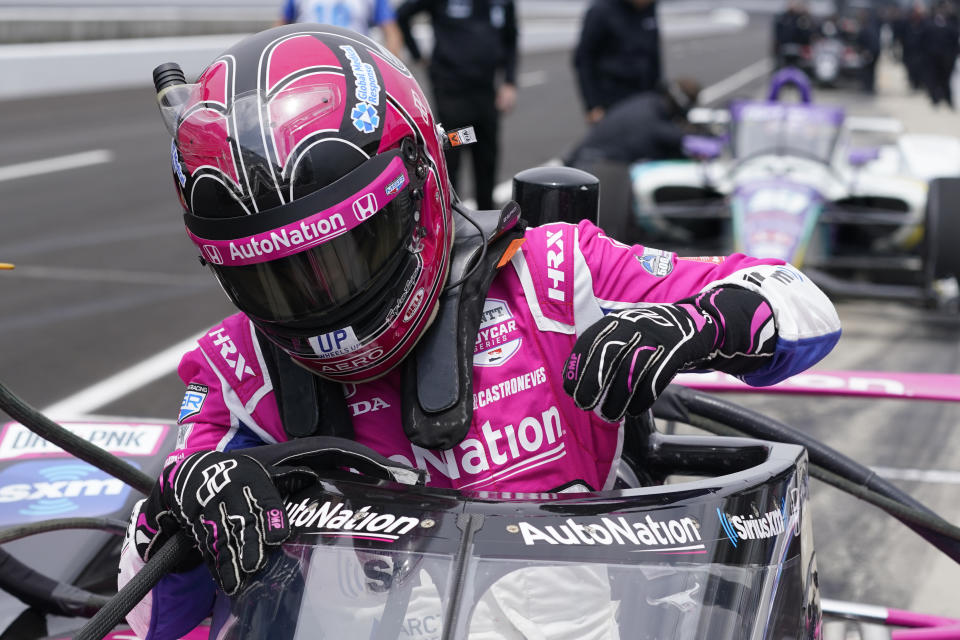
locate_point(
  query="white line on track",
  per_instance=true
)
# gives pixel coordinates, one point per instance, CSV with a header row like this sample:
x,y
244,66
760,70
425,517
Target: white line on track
x,y
122,383
532,78
919,475
50,165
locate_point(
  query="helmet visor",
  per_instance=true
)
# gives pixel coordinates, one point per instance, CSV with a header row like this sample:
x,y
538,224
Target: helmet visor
x,y
320,286
310,263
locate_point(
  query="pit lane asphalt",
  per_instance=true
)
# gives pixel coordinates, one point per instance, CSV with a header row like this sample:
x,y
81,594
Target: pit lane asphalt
x,y
107,278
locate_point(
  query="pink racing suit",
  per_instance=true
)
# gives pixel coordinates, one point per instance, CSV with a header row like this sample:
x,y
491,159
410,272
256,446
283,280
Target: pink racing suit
x,y
526,435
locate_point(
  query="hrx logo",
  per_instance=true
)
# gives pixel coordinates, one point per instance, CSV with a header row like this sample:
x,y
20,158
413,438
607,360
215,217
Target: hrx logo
x,y
230,354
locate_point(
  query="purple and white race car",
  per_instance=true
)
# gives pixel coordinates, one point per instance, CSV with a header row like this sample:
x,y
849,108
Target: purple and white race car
x,y
864,210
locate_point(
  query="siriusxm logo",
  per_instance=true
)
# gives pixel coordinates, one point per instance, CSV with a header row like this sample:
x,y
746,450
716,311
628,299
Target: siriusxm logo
x,y
38,490
752,527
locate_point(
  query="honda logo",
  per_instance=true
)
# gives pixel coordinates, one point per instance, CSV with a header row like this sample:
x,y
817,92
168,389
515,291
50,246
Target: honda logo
x,y
212,254
365,206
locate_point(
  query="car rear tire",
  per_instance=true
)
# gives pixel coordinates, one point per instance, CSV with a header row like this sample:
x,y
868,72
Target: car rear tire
x,y
942,230
616,198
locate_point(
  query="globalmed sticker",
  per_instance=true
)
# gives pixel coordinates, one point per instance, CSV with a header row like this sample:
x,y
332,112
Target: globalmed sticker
x,y
16,441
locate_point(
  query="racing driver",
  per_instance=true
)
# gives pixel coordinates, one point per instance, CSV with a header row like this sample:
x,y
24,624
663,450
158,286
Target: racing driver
x,y
313,183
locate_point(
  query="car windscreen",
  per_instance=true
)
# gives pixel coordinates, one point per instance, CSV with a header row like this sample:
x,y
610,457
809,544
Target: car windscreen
x,y
340,591
762,128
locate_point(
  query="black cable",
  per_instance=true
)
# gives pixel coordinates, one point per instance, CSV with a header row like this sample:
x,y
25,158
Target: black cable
x,y
173,553
483,248
71,443
906,514
116,527
758,425
719,416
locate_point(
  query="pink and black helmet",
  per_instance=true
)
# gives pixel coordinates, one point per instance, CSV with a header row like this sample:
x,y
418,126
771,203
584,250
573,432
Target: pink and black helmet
x,y
314,184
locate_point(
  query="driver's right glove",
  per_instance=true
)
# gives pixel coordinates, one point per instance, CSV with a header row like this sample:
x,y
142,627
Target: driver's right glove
x,y
230,506
623,362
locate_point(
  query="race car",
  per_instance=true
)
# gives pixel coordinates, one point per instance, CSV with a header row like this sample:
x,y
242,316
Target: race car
x,y
863,208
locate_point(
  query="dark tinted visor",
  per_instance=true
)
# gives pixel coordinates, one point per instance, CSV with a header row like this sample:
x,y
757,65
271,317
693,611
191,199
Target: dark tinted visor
x,y
320,286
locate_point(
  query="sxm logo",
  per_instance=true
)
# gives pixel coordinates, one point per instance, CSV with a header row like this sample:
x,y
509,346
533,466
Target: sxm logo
x,y
41,489
754,526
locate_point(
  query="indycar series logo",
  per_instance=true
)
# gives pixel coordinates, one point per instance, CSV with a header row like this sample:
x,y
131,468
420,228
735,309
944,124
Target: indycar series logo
x,y
498,339
41,489
333,519
680,535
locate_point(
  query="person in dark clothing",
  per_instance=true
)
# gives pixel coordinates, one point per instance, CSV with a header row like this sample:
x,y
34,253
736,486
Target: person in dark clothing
x,y
647,126
792,30
913,47
942,45
472,72
868,41
618,54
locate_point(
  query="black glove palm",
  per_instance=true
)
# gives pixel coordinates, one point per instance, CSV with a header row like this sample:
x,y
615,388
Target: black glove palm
x,y
229,504
622,363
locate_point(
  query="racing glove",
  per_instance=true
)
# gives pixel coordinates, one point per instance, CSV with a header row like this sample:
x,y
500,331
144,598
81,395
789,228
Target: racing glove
x,y
229,504
623,362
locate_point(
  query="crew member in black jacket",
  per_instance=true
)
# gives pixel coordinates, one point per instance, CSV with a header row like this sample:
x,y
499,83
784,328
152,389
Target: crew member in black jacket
x,y
941,46
618,54
647,126
473,75
792,30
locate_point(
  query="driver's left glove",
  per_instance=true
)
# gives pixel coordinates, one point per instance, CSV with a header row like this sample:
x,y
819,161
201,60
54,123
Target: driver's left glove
x,y
623,362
